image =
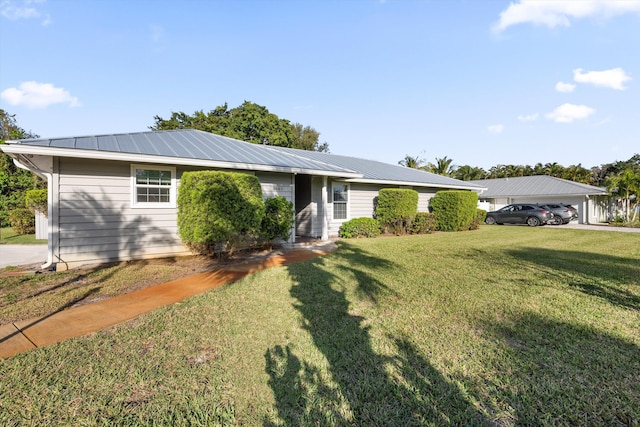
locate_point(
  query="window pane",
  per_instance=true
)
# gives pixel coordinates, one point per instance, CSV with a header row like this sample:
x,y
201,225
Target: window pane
x,y
339,211
339,193
153,177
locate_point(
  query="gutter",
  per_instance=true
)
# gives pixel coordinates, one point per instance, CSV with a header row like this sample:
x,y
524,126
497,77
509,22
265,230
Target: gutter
x,y
18,148
23,162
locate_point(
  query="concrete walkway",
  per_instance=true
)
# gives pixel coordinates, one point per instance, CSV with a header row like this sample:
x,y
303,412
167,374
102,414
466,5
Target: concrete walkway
x,y
58,326
22,254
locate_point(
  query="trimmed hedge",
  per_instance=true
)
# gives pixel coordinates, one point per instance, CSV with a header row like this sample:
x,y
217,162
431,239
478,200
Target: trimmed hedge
x,y
278,218
36,200
359,227
219,211
455,210
22,221
396,208
423,223
481,214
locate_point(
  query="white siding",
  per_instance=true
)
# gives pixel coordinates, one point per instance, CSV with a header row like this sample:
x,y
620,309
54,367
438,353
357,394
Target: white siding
x,y
97,222
276,184
362,199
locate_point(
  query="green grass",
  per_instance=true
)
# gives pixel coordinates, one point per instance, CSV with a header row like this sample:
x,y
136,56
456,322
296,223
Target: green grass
x,y
9,237
500,326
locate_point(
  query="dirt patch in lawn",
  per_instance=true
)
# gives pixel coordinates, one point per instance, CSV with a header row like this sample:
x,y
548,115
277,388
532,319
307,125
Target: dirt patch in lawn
x,y
26,292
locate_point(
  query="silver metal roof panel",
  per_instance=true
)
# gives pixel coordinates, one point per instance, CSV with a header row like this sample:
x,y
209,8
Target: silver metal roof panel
x,y
538,185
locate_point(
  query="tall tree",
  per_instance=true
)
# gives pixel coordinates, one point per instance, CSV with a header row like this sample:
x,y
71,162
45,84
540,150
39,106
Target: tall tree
x,y
412,162
14,182
248,122
469,173
441,167
626,185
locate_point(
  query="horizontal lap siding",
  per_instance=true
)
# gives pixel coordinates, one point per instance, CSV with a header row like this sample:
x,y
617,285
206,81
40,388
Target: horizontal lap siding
x,y
97,222
276,184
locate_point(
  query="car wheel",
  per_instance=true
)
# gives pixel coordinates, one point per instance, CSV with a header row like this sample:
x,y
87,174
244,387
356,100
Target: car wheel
x,y
557,220
533,221
490,220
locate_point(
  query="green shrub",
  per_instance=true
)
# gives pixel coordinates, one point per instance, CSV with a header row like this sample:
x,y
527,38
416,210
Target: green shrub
x,y
423,223
219,211
455,210
481,214
396,208
359,227
22,221
278,218
36,200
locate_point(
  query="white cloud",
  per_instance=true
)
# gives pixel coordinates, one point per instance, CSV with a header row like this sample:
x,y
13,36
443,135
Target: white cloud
x,y
24,9
567,113
529,117
561,12
613,79
565,87
495,128
38,95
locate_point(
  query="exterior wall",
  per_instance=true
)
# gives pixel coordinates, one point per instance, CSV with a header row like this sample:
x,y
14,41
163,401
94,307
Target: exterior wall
x,y
97,223
362,199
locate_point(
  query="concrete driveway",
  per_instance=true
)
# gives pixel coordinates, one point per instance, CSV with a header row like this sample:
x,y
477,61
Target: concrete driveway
x,y
22,254
599,227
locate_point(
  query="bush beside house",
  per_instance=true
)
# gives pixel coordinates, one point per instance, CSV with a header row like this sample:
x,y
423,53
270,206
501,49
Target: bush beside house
x,y
395,209
455,210
278,219
219,211
360,227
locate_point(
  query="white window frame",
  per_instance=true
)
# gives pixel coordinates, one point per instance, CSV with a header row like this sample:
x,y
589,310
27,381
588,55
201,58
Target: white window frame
x,y
333,212
153,205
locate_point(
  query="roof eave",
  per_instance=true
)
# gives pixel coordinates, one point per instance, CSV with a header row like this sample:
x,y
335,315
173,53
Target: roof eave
x,y
411,184
147,158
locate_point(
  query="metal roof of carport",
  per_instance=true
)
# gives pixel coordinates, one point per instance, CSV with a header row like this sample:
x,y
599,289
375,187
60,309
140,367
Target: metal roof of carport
x,y
184,146
538,185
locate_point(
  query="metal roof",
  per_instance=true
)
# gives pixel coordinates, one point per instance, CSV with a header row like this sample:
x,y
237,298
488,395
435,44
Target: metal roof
x,y
372,170
187,144
194,147
539,185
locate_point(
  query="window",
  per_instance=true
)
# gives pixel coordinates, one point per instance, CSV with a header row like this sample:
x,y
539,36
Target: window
x,y
153,186
340,200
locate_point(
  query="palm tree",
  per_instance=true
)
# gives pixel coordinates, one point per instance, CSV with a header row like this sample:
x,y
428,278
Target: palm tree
x,y
412,162
625,184
442,167
469,173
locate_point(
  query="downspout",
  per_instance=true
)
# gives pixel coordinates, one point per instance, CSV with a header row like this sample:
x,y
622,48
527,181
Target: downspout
x,y
23,162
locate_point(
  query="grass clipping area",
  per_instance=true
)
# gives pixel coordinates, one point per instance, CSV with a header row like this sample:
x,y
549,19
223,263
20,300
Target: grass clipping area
x,y
500,326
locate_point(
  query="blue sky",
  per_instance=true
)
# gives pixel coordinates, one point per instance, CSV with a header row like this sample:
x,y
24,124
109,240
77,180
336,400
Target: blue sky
x,y
482,82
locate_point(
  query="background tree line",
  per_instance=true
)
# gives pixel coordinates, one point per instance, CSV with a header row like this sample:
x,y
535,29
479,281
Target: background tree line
x,y
598,176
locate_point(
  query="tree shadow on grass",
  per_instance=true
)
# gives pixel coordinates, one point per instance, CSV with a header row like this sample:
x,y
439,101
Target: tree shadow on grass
x,y
567,374
592,274
358,386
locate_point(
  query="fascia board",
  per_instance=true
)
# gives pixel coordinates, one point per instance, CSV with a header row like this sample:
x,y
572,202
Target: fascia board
x,y
145,158
495,196
412,184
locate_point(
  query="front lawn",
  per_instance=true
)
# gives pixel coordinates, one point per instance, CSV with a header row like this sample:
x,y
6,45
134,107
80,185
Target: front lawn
x,y
500,326
9,237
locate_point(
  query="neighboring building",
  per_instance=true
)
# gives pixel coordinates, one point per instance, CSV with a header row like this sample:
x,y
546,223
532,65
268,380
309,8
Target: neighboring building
x,y
113,197
592,202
